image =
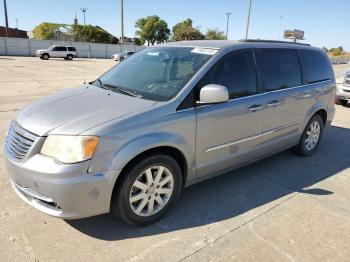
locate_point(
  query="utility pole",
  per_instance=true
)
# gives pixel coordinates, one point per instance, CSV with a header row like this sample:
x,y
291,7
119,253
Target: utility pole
x,y
84,11
248,21
122,22
6,19
228,19
17,23
279,28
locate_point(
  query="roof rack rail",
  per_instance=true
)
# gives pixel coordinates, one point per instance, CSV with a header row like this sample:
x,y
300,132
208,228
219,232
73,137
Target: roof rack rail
x,y
271,41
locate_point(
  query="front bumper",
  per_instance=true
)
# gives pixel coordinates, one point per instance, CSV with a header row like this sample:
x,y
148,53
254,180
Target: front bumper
x,y
64,191
343,92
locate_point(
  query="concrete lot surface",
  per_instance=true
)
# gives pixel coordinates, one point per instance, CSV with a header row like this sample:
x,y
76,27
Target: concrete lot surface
x,y
284,208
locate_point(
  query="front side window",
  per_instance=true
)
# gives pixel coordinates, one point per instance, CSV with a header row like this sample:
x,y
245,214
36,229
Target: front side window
x,y
156,73
279,69
236,71
71,49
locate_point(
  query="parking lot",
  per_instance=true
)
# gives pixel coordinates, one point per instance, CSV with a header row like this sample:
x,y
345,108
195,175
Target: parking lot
x,y
284,208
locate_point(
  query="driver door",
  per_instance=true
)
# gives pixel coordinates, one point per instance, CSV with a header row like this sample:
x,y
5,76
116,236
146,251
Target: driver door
x,y
229,133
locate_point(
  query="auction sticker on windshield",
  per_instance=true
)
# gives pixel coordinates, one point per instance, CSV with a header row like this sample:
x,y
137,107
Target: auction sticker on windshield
x,y
204,51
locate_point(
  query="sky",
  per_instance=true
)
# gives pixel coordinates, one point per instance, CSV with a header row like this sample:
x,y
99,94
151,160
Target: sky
x,y
325,22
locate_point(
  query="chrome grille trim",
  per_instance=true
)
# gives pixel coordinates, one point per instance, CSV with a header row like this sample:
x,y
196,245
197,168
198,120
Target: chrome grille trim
x,y
18,142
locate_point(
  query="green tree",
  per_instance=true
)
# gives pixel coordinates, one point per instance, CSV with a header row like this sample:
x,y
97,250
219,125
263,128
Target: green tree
x,y
138,41
152,29
45,30
215,34
325,49
93,34
186,31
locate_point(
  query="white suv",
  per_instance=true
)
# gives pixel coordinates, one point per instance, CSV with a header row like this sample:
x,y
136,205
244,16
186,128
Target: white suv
x,y
66,52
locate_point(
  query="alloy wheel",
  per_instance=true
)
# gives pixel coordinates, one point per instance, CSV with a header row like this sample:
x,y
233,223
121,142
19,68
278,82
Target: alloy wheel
x,y
151,191
312,135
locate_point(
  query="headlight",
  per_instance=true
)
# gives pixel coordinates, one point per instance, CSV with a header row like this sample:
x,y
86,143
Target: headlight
x,y
70,149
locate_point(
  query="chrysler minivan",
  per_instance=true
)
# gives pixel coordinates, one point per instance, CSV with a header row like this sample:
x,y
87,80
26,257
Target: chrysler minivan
x,y
165,118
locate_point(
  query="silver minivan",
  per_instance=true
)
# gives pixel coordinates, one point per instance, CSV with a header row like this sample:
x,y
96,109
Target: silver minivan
x,y
167,117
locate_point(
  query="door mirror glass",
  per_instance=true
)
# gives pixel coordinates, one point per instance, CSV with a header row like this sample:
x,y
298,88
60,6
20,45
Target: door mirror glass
x,y
212,94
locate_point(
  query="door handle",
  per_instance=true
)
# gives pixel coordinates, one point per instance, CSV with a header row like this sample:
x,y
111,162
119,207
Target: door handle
x,y
255,108
273,103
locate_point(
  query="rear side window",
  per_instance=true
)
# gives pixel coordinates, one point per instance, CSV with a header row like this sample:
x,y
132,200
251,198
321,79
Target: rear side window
x,y
70,48
60,48
236,71
317,67
279,69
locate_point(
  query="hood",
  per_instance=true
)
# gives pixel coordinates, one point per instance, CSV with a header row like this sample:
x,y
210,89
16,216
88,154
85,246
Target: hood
x,y
42,50
76,110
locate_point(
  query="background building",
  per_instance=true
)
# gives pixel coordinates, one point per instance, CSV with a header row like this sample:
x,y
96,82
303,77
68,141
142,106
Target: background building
x,y
13,32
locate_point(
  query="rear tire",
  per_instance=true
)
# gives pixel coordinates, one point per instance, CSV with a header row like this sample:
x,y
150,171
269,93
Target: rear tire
x,y
69,57
341,102
147,190
311,138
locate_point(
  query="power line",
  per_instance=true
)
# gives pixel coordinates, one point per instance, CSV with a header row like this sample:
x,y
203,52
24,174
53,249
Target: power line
x,y
228,18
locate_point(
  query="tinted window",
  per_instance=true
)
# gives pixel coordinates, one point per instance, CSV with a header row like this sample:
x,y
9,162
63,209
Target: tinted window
x,y
236,71
71,49
279,69
317,66
59,48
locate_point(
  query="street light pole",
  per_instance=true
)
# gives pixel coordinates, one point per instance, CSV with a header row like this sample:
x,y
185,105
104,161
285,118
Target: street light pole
x,y
227,20
6,19
84,11
122,22
248,21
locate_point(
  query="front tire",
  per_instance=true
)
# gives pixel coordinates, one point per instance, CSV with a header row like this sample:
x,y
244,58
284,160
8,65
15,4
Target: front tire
x,y
45,56
147,190
311,138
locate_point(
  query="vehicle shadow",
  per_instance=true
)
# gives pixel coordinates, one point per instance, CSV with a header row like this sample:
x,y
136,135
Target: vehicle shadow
x,y
237,192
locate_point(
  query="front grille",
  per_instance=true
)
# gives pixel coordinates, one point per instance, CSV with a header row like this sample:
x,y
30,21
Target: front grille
x,y
18,142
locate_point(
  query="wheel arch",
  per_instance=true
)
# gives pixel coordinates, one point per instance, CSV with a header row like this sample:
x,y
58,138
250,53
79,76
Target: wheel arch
x,y
318,108
171,151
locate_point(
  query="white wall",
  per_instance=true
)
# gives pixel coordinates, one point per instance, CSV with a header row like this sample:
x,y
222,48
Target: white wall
x,y
27,47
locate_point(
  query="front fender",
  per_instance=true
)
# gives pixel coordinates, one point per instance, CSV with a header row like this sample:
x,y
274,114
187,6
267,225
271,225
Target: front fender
x,y
122,155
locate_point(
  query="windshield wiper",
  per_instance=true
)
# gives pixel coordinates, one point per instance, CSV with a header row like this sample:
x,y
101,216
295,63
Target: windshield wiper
x,y
100,84
119,89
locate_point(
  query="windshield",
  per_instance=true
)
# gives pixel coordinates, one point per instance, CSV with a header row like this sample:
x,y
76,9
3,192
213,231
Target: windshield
x,y
157,73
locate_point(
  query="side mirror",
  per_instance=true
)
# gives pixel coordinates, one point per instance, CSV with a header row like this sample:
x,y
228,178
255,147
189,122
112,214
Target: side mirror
x,y
212,94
